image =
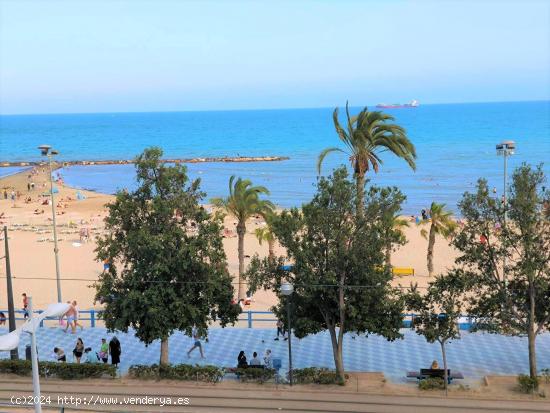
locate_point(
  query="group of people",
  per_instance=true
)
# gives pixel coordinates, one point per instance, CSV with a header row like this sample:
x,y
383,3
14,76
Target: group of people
x,y
113,349
255,362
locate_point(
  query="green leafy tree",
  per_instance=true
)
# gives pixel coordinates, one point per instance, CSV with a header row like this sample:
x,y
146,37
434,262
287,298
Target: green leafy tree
x,y
441,223
266,234
384,207
242,203
437,311
508,272
162,277
340,280
366,136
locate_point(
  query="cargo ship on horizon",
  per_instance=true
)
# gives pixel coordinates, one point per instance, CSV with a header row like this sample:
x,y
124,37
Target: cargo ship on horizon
x,y
412,104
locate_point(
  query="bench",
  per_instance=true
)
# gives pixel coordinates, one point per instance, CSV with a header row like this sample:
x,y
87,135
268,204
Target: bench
x,y
427,373
402,271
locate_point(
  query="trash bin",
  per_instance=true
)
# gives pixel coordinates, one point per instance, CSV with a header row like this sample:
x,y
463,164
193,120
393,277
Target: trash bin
x,y
28,353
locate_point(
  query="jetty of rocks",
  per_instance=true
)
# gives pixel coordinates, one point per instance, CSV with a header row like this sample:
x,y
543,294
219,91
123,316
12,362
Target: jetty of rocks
x,y
130,161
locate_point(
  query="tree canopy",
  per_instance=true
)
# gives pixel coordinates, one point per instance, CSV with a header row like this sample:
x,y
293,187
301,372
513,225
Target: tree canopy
x,y
168,268
366,136
242,203
340,281
505,257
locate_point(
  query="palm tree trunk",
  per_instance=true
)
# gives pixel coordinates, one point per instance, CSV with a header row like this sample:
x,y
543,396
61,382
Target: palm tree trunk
x,y
360,201
164,352
431,243
271,248
241,231
388,254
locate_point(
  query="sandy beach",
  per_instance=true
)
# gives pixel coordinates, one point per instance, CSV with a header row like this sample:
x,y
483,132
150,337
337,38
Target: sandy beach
x,y
32,256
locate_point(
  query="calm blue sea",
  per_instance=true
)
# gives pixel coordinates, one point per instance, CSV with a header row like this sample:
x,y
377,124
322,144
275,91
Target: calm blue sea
x,y
455,145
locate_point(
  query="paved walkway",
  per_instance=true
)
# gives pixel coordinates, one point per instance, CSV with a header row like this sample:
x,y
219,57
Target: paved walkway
x,y
475,354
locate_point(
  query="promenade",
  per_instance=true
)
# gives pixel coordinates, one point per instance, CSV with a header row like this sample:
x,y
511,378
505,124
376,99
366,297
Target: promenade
x,y
475,354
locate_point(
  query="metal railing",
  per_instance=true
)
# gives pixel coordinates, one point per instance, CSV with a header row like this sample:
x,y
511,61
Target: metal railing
x,y
249,317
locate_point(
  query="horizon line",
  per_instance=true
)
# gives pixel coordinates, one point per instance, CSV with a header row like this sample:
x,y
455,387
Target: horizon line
x,y
257,109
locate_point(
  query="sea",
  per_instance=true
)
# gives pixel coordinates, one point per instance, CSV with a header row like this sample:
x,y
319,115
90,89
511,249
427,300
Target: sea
x,y
455,145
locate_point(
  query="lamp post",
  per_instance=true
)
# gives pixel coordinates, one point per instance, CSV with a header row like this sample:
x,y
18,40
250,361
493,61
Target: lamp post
x,y
34,360
505,149
14,354
46,150
287,289
11,341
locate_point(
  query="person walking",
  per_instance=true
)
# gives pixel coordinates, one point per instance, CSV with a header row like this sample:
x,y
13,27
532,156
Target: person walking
x,y
25,306
280,330
197,344
115,350
76,315
71,318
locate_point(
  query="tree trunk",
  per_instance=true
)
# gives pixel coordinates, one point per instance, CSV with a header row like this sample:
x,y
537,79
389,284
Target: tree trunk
x,y
241,231
531,334
337,353
431,243
164,352
388,255
360,201
445,373
271,248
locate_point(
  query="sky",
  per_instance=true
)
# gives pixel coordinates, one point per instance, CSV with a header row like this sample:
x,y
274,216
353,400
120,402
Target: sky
x,y
159,55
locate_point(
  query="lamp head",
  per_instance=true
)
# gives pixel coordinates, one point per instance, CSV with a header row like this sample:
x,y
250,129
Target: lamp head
x,y
44,149
287,289
506,148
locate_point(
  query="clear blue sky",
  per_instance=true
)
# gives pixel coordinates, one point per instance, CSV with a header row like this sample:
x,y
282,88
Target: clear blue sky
x,y
107,55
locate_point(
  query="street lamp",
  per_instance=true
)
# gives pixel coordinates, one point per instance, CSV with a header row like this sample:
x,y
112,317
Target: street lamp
x,y
46,150
287,289
9,289
9,342
505,149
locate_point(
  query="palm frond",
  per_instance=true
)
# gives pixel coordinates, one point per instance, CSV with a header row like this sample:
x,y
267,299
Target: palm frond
x,y
323,154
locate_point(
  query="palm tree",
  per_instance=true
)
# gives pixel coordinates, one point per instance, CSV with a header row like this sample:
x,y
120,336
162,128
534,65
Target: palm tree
x,y
441,223
398,225
242,203
368,135
265,233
